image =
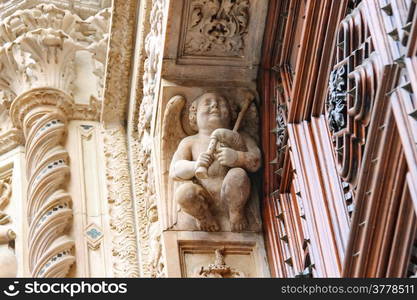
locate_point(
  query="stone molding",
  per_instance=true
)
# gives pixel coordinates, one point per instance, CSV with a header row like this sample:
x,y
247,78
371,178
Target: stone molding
x,y
125,259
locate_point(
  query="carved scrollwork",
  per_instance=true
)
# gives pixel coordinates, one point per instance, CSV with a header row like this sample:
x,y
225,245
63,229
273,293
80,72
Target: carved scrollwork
x,y
217,27
352,89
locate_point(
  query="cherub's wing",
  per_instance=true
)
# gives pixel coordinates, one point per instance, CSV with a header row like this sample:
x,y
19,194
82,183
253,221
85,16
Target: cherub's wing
x,y
172,134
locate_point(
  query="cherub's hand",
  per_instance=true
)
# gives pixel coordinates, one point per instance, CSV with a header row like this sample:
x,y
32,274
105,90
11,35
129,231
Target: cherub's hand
x,y
204,160
227,157
223,134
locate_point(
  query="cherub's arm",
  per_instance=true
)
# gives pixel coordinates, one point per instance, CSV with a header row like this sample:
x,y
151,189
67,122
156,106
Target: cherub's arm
x,y
249,160
182,166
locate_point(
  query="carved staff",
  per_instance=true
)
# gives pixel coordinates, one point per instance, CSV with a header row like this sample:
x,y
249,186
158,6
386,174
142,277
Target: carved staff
x,y
202,171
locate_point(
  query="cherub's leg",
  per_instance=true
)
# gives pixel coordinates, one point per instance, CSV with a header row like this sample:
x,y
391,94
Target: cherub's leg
x,y
194,200
235,192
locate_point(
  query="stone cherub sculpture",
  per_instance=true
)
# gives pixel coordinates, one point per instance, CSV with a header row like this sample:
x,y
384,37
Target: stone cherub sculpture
x,y
213,164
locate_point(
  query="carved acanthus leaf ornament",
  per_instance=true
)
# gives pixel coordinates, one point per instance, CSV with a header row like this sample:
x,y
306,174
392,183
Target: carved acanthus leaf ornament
x,y
217,27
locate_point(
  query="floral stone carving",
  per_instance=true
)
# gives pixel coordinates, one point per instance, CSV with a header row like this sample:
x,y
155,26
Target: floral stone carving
x,y
217,27
219,269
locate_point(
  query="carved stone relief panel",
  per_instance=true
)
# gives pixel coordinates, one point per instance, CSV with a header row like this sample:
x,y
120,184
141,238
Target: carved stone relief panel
x,y
209,152
216,34
216,28
143,102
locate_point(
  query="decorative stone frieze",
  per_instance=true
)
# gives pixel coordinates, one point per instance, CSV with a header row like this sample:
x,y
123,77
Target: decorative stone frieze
x,y
217,28
125,259
152,260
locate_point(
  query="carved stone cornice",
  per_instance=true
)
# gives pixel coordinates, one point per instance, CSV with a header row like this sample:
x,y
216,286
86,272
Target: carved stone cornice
x,y
89,31
90,34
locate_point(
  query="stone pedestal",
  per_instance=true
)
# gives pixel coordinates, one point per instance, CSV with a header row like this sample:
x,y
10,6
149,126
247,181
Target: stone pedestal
x,y
192,254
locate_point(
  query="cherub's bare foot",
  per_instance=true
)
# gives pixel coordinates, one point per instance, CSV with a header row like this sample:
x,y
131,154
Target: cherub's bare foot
x,y
208,223
238,222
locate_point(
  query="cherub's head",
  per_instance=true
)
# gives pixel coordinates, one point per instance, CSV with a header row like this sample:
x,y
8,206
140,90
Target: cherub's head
x,y
211,111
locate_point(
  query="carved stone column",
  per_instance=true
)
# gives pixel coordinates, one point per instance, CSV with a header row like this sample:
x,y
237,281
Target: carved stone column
x,y
38,68
51,65
43,116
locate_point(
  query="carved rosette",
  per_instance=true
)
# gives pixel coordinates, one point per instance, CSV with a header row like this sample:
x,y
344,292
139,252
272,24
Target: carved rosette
x,y
43,116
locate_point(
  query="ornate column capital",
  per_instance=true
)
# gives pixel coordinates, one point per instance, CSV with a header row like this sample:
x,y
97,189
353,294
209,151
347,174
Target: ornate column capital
x,y
26,102
38,48
38,59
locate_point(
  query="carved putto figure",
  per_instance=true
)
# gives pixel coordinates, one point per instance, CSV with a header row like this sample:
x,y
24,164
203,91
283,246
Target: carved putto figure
x,y
213,165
